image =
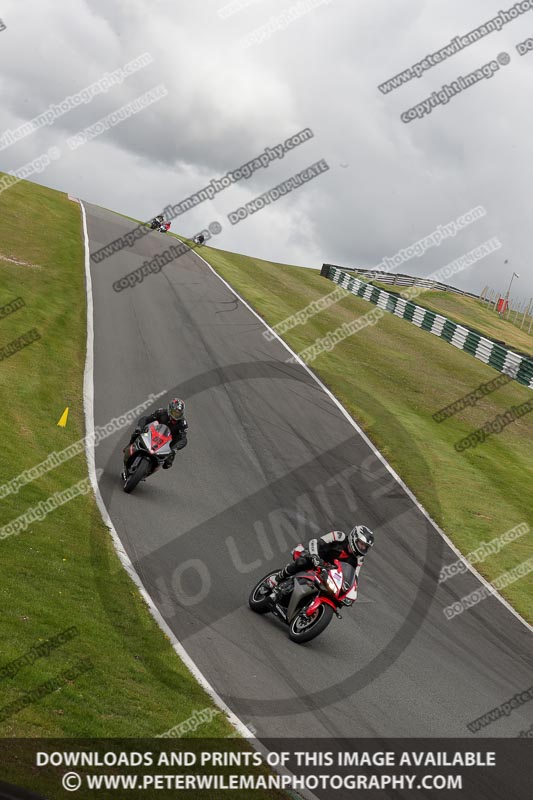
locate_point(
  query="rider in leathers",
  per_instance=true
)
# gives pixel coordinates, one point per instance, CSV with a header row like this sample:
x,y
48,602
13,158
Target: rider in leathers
x,y
350,548
173,417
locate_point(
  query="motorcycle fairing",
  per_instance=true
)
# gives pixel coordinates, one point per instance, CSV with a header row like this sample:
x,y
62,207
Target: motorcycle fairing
x,y
304,586
157,438
319,600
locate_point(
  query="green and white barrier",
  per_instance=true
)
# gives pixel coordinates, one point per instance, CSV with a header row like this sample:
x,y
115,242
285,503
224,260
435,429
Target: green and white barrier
x,y
515,365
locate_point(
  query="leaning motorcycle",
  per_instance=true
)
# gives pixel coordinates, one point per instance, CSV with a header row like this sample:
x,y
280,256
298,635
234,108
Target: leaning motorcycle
x,y
146,454
306,601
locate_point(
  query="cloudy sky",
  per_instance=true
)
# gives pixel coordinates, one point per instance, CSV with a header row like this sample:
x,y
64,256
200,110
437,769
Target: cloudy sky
x,y
244,75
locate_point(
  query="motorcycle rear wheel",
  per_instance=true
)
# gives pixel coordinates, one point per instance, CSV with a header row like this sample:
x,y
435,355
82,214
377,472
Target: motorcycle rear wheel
x,y
303,629
258,603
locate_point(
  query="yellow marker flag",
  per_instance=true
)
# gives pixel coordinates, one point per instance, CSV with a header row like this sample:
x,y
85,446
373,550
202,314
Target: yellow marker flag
x,y
64,416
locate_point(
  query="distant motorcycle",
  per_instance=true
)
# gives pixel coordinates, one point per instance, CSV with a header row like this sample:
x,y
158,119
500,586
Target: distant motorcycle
x,y
156,222
146,454
307,601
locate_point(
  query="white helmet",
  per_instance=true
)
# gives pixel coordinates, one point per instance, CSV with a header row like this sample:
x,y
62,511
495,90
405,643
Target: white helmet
x,y
360,540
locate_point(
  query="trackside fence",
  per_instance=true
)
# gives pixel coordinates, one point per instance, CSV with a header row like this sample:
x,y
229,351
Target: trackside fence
x,y
399,279
518,366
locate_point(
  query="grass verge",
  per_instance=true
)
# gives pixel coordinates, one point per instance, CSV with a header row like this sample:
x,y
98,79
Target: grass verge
x,y
63,571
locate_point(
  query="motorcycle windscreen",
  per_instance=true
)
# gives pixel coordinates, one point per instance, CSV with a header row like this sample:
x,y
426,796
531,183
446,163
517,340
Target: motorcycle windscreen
x,y
335,581
349,585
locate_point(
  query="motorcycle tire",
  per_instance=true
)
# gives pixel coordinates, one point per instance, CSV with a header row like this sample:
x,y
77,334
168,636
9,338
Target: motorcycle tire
x,y
141,472
303,629
260,606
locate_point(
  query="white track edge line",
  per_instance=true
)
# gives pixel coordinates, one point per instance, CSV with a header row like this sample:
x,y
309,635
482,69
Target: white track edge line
x,y
374,449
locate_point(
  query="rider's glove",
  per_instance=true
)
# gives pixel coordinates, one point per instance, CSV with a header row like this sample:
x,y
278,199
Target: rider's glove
x,y
317,561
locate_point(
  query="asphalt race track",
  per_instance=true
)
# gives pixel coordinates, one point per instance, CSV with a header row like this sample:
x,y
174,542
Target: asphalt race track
x,y
272,461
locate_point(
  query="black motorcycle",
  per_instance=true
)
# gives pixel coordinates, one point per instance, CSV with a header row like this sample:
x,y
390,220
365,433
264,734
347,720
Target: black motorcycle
x,y
146,454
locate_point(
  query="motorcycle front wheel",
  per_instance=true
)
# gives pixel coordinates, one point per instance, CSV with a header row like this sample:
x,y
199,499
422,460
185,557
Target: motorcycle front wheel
x,y
303,628
143,468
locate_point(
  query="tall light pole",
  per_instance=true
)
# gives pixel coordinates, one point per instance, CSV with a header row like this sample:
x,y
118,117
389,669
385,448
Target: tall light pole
x,y
514,275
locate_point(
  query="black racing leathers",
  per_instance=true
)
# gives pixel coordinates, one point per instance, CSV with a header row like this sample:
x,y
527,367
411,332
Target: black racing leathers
x,y
326,548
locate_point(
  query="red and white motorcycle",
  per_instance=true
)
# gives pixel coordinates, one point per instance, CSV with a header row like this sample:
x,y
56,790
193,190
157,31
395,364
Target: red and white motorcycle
x,y
307,600
146,454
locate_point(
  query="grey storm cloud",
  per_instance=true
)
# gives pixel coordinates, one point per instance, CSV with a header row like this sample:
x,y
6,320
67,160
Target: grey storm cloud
x,y
244,75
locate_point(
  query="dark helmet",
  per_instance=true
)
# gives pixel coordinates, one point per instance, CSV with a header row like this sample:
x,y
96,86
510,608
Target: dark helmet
x,y
176,409
360,540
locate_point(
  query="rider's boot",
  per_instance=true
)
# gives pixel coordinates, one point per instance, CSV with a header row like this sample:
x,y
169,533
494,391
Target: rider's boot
x,y
274,580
